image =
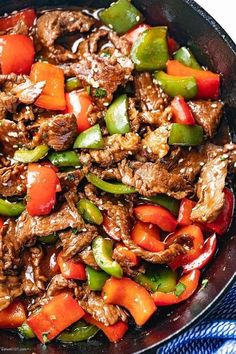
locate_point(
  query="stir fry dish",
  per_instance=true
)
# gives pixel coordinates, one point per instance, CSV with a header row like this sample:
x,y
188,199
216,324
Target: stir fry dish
x,y
113,188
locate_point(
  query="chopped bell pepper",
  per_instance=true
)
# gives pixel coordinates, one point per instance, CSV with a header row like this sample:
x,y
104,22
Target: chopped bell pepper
x,y
27,16
96,279
121,16
224,219
25,331
72,84
150,50
59,313
195,249
102,251
114,333
156,215
189,282
13,316
79,103
185,86
1,223
43,183
53,95
133,34
49,239
71,269
89,212
27,156
185,134
79,332
64,158
110,228
205,257
132,296
165,201
90,139
130,256
185,210
20,63
116,118
186,57
172,45
147,236
11,209
114,188
181,111
160,278
208,83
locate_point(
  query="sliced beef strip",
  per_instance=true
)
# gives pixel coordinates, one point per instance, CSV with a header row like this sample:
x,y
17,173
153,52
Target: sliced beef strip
x,y
210,190
98,309
12,136
71,179
58,283
155,143
127,266
33,282
134,116
13,180
152,178
116,148
207,114
75,242
26,113
10,288
58,132
87,257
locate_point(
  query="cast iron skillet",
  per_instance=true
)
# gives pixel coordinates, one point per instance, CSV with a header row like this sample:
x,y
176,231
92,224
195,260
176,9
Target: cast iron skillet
x,y
192,26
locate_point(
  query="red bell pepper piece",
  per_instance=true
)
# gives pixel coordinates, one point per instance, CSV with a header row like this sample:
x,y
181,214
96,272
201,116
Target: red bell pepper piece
x,y
53,95
185,210
181,111
58,314
208,82
147,236
114,333
70,269
190,281
110,228
20,63
135,298
131,257
132,35
223,221
43,184
13,316
79,103
173,46
205,257
157,215
198,242
28,16
1,223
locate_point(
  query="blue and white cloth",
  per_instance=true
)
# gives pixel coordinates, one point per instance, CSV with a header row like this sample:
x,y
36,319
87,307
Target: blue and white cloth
x,y
214,335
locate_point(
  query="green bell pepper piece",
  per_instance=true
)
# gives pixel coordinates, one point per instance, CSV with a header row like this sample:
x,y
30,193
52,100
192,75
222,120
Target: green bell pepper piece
x,y
185,134
79,332
90,139
121,16
114,188
89,212
166,201
186,57
11,209
96,279
160,278
150,50
25,331
64,158
72,84
184,86
102,251
116,118
49,239
28,156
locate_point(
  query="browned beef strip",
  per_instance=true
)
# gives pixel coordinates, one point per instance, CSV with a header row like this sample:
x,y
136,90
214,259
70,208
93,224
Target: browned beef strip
x,y
58,132
87,257
71,179
152,178
210,190
10,288
8,103
207,114
12,136
33,282
98,309
153,100
9,254
120,43
13,180
73,243
26,113
134,116
58,283
128,267
155,143
27,92
116,148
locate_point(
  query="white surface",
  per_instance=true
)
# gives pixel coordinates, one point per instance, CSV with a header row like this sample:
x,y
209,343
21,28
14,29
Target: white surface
x,y
223,12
